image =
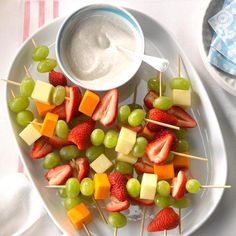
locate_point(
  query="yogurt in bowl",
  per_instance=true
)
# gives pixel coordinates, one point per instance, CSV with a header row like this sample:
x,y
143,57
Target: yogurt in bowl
x,y
100,47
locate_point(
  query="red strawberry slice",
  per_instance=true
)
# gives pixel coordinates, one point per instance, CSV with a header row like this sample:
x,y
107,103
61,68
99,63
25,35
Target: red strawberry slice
x,y
106,110
120,192
59,174
165,219
41,148
149,99
178,185
114,205
158,150
161,116
60,111
57,142
137,129
144,202
117,178
165,131
141,167
80,134
184,120
72,102
57,78
81,167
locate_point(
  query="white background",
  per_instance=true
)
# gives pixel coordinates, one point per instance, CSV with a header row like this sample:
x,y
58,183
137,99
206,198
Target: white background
x,y
182,18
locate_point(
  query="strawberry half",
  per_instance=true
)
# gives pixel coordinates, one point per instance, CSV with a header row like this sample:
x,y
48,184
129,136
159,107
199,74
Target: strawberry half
x,y
158,150
137,129
57,142
149,99
41,148
144,202
57,78
106,110
60,111
178,183
141,167
114,205
162,116
165,131
59,174
184,120
80,134
116,177
119,191
81,167
165,219
72,102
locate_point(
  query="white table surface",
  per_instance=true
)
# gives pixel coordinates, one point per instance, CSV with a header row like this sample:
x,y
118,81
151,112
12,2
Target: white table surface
x,y
182,18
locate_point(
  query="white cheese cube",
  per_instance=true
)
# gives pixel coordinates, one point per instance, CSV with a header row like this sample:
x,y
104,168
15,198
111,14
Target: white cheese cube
x,y
30,134
101,164
42,91
126,141
148,186
127,158
181,97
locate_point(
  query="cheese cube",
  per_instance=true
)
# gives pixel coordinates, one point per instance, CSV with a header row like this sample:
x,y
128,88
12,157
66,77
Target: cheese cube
x,y
148,186
181,162
164,171
43,108
181,97
49,124
126,141
89,102
127,158
101,186
42,91
30,133
101,164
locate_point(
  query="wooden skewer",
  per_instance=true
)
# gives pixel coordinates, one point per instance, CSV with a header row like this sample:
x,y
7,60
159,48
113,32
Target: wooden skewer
x,y
10,82
142,221
190,156
12,93
215,186
180,229
34,43
160,84
100,211
87,230
55,186
27,72
178,65
115,231
165,232
162,124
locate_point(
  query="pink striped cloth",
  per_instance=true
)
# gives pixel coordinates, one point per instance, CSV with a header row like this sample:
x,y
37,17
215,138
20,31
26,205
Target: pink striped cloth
x,y
36,14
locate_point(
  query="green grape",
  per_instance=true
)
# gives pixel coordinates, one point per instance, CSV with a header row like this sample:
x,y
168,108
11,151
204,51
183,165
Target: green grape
x,y
193,186
18,104
62,192
133,187
182,146
162,201
62,129
87,187
58,95
163,103
27,87
163,188
181,133
136,117
46,65
40,53
110,139
117,220
23,118
69,152
139,147
153,84
181,203
140,177
94,152
51,160
124,167
169,158
70,203
72,187
134,106
97,137
179,83
123,113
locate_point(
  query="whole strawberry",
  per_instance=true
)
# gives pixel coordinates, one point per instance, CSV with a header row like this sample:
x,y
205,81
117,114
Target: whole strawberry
x,y
57,78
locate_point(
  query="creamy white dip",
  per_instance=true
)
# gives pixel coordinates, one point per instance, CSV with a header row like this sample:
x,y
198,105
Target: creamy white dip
x,y
95,50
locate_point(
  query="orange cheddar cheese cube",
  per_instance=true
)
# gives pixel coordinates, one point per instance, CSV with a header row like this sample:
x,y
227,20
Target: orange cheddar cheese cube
x,y
148,133
181,162
79,215
49,124
43,108
101,186
164,171
89,102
